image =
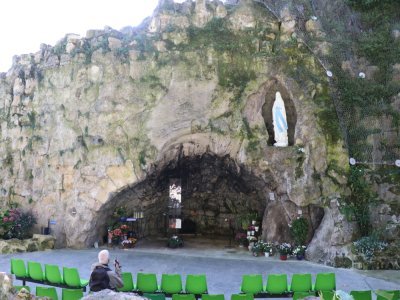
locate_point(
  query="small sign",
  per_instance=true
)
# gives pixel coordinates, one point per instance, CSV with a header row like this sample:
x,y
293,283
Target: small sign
x,y
272,196
52,222
300,212
130,219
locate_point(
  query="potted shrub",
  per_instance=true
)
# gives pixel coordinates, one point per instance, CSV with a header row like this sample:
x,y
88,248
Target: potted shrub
x,y
299,251
284,250
241,238
268,249
258,248
175,242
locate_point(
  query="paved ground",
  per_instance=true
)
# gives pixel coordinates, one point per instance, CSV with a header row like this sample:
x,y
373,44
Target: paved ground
x,y
223,266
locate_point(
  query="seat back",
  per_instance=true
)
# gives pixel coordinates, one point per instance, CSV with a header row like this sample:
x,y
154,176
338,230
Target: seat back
x,y
47,292
154,296
242,297
18,267
128,282
196,284
35,270
212,297
384,295
277,284
183,297
171,283
72,294
52,273
361,295
301,283
302,295
327,295
20,287
146,282
71,277
252,284
325,282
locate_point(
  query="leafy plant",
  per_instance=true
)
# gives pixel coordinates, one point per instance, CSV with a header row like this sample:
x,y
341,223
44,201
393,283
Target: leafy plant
x,y
299,230
360,199
368,245
16,224
285,249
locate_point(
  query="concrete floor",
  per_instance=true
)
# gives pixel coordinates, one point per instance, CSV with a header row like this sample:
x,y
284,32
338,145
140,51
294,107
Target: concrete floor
x,y
223,266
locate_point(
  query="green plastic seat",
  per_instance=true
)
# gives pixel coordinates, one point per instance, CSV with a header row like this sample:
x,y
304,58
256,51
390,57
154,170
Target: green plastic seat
x,y
252,284
20,287
128,282
47,292
75,294
212,297
242,297
277,284
302,295
327,295
196,284
384,295
183,297
35,271
361,295
325,282
171,283
18,268
146,282
301,283
53,274
72,278
154,296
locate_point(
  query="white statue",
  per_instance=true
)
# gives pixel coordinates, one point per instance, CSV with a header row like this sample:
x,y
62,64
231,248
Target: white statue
x,y
279,121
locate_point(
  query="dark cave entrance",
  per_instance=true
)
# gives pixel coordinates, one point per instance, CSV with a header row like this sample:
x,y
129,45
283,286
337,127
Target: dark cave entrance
x,y
216,195
291,114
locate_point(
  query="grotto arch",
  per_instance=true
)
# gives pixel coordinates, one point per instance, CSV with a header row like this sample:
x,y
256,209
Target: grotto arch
x,y
214,190
272,88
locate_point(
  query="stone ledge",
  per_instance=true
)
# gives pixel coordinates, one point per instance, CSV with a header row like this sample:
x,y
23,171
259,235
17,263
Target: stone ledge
x,y
37,243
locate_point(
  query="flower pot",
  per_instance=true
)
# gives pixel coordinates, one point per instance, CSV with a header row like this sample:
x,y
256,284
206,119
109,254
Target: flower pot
x,y
283,257
300,256
266,254
256,228
253,222
248,233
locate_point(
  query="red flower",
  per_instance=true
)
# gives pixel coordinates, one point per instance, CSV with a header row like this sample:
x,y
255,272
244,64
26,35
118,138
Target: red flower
x,y
5,219
117,232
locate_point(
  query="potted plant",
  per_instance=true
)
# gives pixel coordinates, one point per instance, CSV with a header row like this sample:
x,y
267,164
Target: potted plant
x,y
284,250
175,242
299,251
258,248
241,238
128,243
268,249
252,240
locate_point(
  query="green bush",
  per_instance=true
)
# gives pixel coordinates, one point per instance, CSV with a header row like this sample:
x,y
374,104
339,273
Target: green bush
x,y
16,224
368,245
299,230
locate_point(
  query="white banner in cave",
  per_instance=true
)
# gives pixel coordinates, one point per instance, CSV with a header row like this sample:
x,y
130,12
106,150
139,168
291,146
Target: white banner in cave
x,y
175,201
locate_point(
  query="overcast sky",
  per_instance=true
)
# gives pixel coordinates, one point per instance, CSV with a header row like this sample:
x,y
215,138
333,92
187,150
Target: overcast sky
x,y
25,24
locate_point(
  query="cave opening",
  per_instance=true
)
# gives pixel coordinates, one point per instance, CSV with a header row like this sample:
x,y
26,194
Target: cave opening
x,y
217,195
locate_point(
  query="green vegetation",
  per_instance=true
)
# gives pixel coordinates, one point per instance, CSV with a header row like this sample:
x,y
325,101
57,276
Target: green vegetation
x,y
299,230
357,205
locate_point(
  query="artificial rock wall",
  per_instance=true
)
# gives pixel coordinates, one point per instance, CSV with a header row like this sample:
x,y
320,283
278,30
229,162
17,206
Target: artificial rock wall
x,y
91,117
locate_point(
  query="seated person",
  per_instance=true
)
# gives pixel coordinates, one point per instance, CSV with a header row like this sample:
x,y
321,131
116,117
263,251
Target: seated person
x,y
102,277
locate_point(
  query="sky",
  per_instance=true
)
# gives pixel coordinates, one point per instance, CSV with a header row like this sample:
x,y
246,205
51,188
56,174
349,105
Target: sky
x,y
25,24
